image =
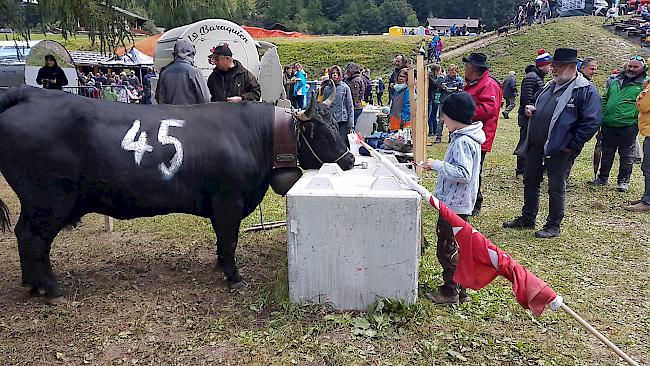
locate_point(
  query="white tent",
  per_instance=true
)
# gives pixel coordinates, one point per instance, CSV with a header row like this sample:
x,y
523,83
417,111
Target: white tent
x,y
133,58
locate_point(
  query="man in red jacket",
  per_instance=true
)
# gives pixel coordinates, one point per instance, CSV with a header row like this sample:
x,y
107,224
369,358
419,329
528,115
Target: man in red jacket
x,y
487,93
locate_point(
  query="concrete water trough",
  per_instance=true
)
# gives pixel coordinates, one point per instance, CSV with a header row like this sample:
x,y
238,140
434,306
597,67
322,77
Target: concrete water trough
x,y
353,237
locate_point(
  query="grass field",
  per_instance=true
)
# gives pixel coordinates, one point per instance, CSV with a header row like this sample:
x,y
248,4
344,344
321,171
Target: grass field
x,y
373,52
147,294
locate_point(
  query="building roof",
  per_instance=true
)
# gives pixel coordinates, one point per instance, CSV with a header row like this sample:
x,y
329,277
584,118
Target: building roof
x,y
443,22
128,13
87,58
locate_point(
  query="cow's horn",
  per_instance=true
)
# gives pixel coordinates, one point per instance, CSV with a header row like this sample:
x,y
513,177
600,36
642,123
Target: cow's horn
x,y
301,116
330,99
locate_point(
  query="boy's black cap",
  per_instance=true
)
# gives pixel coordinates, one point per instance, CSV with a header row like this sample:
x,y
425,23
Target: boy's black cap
x,y
459,107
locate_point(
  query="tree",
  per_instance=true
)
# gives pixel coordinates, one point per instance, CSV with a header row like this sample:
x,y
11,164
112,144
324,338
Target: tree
x,y
398,12
361,15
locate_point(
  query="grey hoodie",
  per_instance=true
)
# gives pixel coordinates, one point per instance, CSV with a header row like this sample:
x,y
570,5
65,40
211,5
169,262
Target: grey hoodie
x,y
181,83
457,184
342,108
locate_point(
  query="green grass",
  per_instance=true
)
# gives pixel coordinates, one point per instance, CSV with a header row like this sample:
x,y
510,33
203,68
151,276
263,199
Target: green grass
x,y
373,52
73,43
146,294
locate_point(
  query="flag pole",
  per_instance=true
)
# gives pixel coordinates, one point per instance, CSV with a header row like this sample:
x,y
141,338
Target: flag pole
x,y
399,174
598,335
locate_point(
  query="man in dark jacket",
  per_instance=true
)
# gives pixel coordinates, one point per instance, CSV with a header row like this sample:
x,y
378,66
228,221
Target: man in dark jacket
x,y
146,84
451,83
566,114
231,81
399,64
51,76
181,83
510,93
532,84
357,87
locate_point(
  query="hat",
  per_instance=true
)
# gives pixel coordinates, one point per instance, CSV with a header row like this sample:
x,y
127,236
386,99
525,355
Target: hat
x,y
543,58
477,59
566,56
222,49
459,107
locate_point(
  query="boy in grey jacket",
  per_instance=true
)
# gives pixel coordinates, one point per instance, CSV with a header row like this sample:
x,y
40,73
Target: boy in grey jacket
x,y
457,186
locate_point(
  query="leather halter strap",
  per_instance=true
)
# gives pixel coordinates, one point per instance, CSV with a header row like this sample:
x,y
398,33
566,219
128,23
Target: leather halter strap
x,y
285,140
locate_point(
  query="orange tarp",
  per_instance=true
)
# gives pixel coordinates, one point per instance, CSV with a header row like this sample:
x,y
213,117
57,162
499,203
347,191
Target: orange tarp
x,y
146,46
265,33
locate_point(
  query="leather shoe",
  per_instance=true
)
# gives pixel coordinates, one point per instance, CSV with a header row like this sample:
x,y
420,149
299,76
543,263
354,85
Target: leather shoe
x,y
519,223
548,232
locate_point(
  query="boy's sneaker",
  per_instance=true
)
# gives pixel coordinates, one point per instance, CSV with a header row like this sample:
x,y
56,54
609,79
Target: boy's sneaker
x,y
519,223
463,297
638,206
548,232
622,186
440,299
598,182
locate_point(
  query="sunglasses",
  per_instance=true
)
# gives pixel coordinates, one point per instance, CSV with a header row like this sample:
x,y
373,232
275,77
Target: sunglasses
x,y
637,58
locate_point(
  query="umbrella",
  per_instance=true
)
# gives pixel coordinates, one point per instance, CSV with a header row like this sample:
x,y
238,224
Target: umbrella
x,y
480,262
598,152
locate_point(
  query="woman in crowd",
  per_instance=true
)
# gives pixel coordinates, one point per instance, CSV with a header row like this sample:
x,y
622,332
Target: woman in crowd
x,y
300,87
400,108
342,108
287,81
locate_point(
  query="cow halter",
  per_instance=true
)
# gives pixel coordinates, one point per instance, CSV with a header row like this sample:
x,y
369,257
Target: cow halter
x,y
347,151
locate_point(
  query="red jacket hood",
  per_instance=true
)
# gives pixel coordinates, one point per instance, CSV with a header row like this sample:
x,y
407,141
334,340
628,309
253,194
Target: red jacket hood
x,y
487,94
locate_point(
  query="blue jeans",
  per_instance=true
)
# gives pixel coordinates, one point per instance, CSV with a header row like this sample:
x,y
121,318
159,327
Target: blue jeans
x,y
433,118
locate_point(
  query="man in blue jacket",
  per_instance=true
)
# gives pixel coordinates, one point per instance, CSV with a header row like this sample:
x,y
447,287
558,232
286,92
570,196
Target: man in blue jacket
x,y
565,116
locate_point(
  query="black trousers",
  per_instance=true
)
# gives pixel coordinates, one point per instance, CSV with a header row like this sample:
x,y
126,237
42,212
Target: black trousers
x,y
447,253
558,168
522,121
343,132
479,195
621,139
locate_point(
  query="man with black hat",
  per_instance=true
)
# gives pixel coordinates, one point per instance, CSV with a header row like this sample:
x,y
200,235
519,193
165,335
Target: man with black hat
x,y
565,116
182,83
487,94
231,81
457,185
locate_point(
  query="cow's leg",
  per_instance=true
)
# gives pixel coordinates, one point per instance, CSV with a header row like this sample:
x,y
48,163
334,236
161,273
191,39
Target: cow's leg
x,y
34,243
226,221
35,231
219,248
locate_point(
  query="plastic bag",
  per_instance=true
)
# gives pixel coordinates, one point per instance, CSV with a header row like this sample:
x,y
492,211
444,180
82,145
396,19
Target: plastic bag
x,y
354,138
401,141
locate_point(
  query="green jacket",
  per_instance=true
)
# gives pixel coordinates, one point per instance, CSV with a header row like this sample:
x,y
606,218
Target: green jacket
x,y
619,103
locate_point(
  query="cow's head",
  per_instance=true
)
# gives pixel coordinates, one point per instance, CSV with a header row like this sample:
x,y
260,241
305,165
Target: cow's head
x,y
320,141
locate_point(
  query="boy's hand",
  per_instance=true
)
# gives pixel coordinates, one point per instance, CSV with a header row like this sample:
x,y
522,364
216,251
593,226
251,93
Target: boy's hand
x,y
431,164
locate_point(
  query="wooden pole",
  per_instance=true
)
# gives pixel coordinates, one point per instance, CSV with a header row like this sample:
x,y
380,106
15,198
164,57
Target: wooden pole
x,y
598,335
419,120
108,224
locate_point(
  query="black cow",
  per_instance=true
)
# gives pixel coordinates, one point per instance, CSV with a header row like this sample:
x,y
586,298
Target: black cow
x,y
66,156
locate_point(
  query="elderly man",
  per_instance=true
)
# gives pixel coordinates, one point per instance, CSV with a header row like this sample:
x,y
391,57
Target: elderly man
x,y
620,123
230,81
399,63
589,68
510,93
487,94
565,116
181,83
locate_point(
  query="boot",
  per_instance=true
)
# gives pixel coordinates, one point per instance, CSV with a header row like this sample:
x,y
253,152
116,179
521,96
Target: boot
x,y
439,299
548,232
638,206
519,223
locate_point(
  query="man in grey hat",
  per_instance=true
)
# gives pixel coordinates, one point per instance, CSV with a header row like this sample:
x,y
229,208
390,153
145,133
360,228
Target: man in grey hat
x,y
181,83
565,116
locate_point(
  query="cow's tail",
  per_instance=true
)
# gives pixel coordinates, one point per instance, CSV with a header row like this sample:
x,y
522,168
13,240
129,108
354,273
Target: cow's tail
x,y
5,218
12,97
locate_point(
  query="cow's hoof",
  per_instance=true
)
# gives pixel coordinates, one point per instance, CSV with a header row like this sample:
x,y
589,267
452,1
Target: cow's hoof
x,y
36,291
55,301
239,285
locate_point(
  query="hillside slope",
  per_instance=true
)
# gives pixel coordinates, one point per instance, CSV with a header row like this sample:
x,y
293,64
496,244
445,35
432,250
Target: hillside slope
x,y
585,34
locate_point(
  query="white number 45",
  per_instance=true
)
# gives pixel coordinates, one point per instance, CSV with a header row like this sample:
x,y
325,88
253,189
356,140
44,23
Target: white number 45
x,y
140,147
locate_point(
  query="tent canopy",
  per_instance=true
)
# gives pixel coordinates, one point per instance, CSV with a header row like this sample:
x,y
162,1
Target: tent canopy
x,y
132,58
